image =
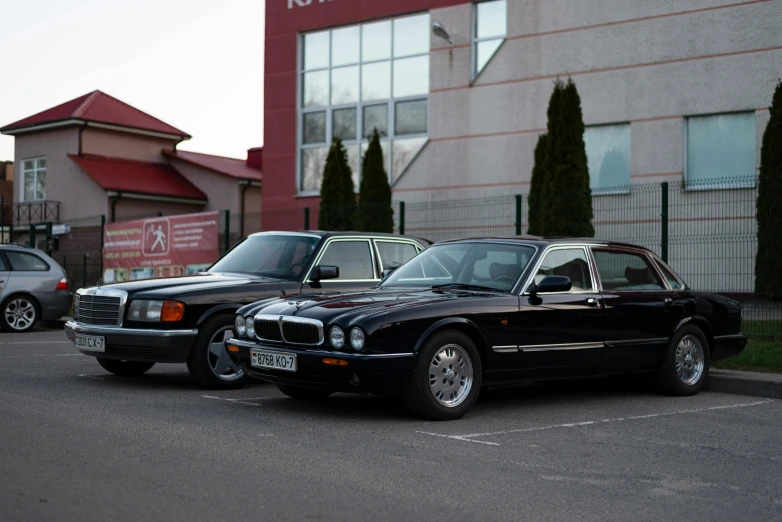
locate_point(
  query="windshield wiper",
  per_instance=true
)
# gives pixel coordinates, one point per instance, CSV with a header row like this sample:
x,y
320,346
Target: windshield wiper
x,y
466,286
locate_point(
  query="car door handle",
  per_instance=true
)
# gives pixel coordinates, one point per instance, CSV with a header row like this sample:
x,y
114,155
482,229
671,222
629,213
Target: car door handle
x,y
668,301
592,302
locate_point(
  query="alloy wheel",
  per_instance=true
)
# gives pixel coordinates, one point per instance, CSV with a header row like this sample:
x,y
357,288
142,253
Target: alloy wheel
x,y
689,359
450,375
20,314
220,363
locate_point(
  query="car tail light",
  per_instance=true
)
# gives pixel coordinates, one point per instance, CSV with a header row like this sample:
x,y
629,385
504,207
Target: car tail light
x,y
63,284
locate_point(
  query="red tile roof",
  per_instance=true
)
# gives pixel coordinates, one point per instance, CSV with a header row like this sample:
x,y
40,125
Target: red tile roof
x,y
97,107
236,168
137,177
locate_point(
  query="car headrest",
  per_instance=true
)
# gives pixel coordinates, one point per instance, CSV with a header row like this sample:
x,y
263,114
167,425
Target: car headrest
x,y
638,276
510,270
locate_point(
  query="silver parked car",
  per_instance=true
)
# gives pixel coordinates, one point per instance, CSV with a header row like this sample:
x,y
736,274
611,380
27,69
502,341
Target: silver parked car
x,y
32,287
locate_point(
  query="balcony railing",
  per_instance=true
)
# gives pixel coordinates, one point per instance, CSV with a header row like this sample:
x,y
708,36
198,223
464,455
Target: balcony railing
x,y
35,212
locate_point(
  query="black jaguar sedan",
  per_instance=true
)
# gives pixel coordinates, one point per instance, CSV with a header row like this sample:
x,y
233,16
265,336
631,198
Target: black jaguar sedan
x,y
131,326
470,313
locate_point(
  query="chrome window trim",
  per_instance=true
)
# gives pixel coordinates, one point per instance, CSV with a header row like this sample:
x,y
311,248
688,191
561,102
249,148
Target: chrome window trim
x,y
108,292
663,265
300,234
567,246
339,239
279,319
630,250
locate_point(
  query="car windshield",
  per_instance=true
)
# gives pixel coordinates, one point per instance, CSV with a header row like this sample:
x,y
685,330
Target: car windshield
x,y
269,255
469,266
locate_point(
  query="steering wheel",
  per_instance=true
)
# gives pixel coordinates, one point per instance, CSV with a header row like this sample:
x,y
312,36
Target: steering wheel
x,y
505,278
299,265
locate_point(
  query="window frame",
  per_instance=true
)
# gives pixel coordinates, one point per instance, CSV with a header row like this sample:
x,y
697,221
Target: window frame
x,y
590,262
616,190
23,175
375,241
663,267
372,254
650,259
474,72
715,184
386,142
12,268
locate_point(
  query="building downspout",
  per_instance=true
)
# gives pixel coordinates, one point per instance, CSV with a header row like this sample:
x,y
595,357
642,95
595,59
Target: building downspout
x,y
80,131
114,201
246,184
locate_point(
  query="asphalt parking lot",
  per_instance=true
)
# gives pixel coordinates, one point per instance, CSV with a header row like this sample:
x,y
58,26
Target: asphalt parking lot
x,y
81,444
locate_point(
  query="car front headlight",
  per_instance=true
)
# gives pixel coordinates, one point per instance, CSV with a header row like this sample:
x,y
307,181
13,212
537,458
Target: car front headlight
x,y
337,337
156,311
357,339
240,326
249,323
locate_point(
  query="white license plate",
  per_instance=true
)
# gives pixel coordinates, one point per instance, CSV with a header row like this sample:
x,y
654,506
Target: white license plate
x,y
274,360
92,343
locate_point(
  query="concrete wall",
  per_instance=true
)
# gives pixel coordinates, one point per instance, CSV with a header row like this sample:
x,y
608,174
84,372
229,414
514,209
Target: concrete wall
x,y
124,145
81,197
647,63
223,191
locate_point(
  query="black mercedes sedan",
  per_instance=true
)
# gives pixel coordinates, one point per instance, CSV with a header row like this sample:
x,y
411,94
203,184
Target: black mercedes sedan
x,y
131,326
476,312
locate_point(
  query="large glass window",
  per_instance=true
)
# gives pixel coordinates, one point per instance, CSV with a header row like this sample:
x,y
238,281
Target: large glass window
x,y
490,30
353,258
277,256
721,150
357,79
608,156
568,262
34,179
625,271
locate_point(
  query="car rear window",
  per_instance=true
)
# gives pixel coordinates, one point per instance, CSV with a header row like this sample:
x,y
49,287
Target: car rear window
x,y
26,262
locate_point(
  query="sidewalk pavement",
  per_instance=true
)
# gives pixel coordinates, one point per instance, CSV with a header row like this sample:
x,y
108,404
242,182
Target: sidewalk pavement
x,y
746,383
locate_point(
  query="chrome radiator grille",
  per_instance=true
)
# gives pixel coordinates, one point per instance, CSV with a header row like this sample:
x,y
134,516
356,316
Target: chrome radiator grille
x,y
268,330
98,310
300,333
295,330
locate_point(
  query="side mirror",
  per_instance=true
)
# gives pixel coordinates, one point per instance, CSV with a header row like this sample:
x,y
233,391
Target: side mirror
x,y
321,272
551,284
388,272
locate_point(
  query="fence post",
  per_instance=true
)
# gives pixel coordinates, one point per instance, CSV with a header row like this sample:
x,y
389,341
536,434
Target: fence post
x,y
159,214
306,218
32,235
102,241
227,230
664,221
401,217
11,232
84,272
49,242
518,214
2,219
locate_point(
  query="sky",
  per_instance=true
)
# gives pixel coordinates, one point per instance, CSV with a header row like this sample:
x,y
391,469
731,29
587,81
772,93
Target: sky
x,y
195,64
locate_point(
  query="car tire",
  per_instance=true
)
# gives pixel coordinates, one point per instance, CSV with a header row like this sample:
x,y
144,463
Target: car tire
x,y
303,394
686,366
19,313
125,368
437,388
209,363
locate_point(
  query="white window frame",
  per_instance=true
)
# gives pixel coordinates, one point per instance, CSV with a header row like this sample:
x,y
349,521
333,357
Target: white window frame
x,y
689,187
387,142
474,72
35,170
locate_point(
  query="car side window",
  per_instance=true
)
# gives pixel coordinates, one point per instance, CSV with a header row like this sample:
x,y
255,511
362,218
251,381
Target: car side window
x,y
568,262
26,262
3,266
620,270
354,259
675,284
394,254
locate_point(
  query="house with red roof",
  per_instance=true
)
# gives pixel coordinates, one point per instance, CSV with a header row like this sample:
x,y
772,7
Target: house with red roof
x,y
96,156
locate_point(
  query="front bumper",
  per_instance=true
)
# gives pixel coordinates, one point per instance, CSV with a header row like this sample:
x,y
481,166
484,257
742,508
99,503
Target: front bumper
x,y
379,374
728,346
127,344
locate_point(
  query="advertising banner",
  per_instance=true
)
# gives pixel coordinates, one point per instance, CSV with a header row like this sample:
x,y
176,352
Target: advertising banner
x,y
159,247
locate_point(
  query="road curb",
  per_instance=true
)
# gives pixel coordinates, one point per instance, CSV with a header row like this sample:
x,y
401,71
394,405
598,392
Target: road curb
x,y
746,383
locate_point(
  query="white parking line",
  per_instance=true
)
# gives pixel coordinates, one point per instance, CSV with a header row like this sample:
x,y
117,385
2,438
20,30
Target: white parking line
x,y
239,401
470,437
96,377
36,342
41,355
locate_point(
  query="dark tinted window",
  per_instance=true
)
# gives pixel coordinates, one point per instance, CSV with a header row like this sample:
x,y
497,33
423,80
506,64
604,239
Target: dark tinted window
x,y
626,271
393,255
26,262
353,258
568,262
273,255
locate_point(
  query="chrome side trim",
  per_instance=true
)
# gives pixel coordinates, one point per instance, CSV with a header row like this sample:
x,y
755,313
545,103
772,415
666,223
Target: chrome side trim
x,y
560,347
729,337
279,319
624,342
72,327
505,349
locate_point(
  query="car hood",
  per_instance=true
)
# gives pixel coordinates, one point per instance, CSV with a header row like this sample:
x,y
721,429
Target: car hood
x,y
351,308
171,286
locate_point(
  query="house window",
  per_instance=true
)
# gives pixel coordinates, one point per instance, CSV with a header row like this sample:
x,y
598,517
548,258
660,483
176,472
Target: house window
x,y
721,150
357,79
33,179
608,157
490,30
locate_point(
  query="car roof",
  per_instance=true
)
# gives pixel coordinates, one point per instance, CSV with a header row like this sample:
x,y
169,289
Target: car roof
x,y
544,241
328,234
